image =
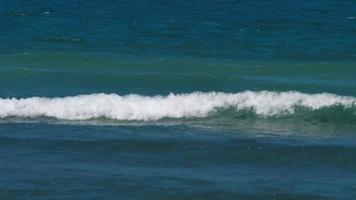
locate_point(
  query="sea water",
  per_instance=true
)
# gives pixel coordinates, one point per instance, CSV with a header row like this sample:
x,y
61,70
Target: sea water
x,y
178,99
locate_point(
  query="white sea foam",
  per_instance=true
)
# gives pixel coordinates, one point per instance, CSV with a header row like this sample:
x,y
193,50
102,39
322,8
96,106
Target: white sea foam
x,y
137,107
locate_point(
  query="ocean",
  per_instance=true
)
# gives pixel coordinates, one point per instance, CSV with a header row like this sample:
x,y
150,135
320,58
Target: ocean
x,y
153,99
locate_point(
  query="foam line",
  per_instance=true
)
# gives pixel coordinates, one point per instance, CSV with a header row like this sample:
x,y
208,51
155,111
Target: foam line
x,y
145,108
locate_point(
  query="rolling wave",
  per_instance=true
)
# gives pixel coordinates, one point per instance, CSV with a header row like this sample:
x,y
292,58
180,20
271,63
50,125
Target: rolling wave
x,y
135,107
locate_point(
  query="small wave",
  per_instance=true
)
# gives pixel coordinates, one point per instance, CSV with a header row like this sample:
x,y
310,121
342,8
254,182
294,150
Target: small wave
x,y
61,39
135,107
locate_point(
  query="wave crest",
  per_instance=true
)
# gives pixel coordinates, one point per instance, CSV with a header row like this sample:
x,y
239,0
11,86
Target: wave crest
x,y
149,108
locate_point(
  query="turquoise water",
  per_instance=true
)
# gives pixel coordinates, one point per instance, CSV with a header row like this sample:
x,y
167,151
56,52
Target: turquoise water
x,y
177,100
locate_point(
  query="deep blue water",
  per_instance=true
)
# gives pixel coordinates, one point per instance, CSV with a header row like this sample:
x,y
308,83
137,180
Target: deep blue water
x,y
151,99
293,30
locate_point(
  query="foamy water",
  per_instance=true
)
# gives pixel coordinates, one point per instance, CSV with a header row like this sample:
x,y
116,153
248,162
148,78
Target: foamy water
x,y
192,105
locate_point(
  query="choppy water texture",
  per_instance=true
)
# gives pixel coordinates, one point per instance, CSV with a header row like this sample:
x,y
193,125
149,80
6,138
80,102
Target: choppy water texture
x,y
178,99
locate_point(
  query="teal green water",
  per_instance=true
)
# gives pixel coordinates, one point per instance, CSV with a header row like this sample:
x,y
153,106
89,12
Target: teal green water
x,y
177,100
73,73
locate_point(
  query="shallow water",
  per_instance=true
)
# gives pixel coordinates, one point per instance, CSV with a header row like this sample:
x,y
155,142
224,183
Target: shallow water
x,y
160,162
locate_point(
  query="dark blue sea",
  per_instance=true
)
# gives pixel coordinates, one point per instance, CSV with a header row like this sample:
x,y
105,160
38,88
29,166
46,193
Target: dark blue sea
x,y
153,99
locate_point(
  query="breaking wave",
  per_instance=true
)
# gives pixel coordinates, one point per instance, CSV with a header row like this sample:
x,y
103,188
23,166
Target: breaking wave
x,y
135,107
